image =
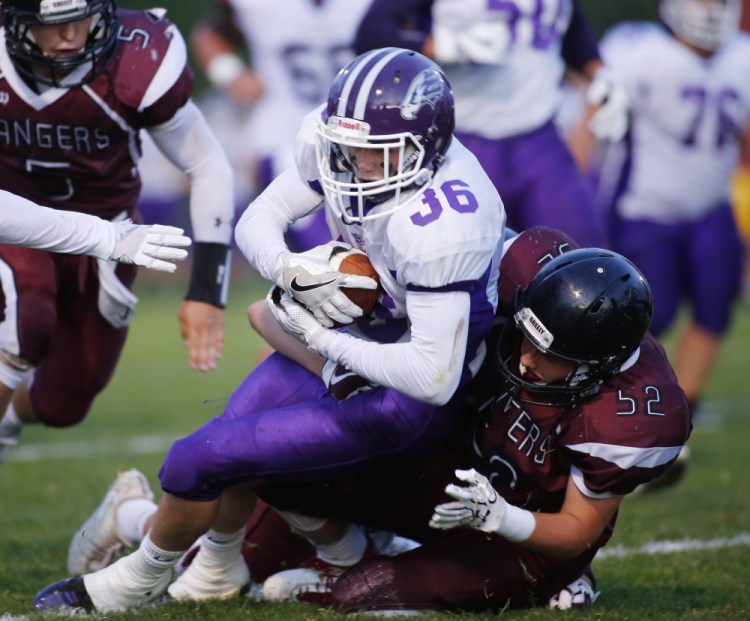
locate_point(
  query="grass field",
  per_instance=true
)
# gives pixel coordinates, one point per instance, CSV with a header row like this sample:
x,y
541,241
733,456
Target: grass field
x,y
55,479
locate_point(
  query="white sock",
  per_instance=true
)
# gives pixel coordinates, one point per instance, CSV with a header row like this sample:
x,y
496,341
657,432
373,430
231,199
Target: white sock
x,y
157,559
131,519
134,579
347,551
221,548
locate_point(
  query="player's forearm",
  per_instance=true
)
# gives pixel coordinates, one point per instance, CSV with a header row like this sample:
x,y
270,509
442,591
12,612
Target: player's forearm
x,y
53,230
428,367
260,231
188,142
560,536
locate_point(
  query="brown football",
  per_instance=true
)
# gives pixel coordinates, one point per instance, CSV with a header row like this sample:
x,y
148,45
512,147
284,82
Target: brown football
x,y
355,261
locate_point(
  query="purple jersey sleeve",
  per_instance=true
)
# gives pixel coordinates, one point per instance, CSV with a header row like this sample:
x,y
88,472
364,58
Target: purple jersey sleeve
x,y
396,23
579,46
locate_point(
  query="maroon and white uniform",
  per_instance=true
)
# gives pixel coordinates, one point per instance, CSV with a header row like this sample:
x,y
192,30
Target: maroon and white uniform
x,y
76,149
626,435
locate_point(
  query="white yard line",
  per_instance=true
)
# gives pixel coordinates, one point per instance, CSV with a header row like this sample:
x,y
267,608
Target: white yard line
x,y
136,445
674,547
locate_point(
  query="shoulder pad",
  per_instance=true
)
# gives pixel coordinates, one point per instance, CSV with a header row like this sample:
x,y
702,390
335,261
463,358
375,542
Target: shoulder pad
x,y
151,58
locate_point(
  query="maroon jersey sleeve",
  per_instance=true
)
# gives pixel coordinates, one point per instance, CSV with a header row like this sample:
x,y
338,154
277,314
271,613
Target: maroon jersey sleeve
x,y
627,435
151,73
632,430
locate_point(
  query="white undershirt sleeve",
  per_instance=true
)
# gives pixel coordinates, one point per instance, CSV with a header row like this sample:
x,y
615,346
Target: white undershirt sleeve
x,y
428,366
188,142
260,231
25,223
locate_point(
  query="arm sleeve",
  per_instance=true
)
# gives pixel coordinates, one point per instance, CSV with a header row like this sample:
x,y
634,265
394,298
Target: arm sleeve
x,y
428,367
579,45
188,142
394,23
260,230
27,224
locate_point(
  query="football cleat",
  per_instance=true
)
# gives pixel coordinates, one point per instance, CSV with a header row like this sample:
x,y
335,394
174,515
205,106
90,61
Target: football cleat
x,y
311,583
69,593
96,542
579,594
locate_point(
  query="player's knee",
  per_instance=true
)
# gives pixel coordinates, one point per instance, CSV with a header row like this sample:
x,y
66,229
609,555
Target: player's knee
x,y
186,471
53,411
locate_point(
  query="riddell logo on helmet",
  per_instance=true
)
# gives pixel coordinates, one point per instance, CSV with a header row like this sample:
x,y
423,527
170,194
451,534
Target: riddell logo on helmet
x,y
347,124
348,127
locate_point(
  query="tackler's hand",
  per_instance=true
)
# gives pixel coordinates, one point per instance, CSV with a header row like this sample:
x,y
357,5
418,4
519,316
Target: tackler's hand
x,y
293,317
477,505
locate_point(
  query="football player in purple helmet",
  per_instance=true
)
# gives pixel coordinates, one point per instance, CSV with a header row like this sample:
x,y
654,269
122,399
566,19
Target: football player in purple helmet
x,y
380,159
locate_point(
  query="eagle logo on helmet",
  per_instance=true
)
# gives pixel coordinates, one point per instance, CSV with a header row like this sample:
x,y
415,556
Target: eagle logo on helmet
x,y
426,89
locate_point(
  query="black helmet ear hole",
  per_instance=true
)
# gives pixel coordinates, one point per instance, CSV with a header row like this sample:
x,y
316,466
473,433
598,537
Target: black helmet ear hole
x,y
596,306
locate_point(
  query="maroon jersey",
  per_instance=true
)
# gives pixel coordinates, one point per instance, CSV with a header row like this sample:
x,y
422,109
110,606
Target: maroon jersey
x,y
611,443
627,434
77,149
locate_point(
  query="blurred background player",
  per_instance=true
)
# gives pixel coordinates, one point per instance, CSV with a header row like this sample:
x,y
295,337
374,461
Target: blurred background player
x,y
505,61
668,184
81,80
296,48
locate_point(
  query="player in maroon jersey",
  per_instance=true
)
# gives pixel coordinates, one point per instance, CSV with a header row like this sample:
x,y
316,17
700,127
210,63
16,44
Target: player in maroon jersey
x,y
578,407
79,80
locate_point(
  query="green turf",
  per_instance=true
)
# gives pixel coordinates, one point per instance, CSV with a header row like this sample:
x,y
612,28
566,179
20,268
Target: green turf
x,y
44,496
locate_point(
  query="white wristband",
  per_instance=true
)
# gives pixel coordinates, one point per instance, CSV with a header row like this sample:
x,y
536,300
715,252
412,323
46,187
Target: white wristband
x,y
517,524
224,69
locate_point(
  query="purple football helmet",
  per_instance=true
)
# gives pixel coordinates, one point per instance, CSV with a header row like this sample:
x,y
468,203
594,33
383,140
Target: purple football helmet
x,y
70,70
393,100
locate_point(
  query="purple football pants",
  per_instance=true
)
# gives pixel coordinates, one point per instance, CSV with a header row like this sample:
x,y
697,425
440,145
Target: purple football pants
x,y
699,261
281,425
539,183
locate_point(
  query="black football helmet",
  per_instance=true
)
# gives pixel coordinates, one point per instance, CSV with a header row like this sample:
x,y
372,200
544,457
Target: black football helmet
x,y
589,306
20,15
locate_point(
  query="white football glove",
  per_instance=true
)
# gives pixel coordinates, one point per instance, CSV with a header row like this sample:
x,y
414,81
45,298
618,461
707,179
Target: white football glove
x,y
610,121
294,318
465,31
149,245
477,506
309,279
